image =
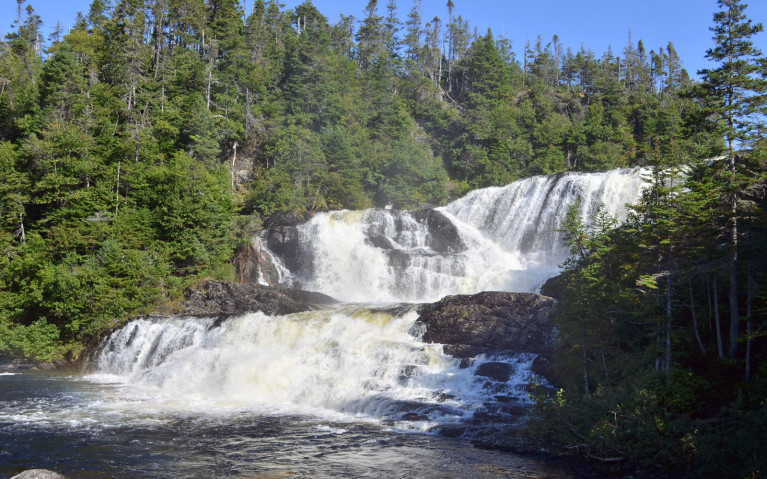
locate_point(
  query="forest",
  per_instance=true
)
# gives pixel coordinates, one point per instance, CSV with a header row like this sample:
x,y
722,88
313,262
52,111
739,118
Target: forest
x,y
143,147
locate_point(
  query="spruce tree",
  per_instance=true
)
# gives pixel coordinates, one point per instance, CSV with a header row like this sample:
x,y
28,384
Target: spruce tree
x,y
734,94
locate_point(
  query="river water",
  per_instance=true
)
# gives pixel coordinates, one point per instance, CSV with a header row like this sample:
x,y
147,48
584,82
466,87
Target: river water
x,y
86,427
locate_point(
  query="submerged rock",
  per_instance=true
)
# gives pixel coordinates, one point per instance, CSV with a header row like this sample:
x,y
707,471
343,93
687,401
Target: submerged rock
x,y
490,322
215,298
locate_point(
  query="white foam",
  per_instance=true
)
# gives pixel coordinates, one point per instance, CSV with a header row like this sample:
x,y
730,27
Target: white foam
x,y
343,363
510,237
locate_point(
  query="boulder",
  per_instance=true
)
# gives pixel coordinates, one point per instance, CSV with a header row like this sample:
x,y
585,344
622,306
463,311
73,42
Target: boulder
x,y
554,287
496,371
443,234
490,322
284,241
216,298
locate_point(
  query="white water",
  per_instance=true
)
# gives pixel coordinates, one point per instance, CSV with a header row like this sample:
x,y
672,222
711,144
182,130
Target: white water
x,y
343,363
357,362
509,235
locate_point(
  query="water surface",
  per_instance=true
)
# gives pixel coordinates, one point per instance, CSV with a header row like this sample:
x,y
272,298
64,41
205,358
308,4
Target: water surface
x,y
87,429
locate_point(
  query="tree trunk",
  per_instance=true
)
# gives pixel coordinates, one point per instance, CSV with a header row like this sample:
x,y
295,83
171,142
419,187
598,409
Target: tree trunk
x,y
585,372
669,317
234,158
695,321
117,189
718,323
20,232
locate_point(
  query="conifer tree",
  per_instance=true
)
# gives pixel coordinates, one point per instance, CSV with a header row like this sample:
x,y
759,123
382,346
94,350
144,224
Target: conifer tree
x,y
735,94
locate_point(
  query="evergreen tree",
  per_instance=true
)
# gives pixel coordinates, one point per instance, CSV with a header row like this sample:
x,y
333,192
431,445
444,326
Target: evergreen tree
x,y
370,37
735,94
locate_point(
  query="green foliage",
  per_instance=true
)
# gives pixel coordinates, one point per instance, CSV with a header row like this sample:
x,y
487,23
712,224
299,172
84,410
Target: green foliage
x,y
38,341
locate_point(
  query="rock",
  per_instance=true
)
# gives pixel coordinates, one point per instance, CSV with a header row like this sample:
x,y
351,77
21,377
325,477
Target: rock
x,y
38,474
554,288
287,218
284,241
282,236
217,298
443,234
498,371
490,322
379,241
451,430
542,366
411,416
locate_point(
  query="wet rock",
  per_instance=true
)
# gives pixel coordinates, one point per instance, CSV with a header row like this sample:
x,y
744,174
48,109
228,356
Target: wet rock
x,y
411,416
217,298
38,474
284,241
451,430
542,366
407,372
379,241
490,322
445,397
254,263
287,218
443,234
497,371
282,236
399,259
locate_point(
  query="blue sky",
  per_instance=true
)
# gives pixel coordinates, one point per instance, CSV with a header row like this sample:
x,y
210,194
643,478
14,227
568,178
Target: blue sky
x,y
595,23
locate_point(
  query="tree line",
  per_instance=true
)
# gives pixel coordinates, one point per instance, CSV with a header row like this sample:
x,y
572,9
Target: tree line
x,y
662,361
140,147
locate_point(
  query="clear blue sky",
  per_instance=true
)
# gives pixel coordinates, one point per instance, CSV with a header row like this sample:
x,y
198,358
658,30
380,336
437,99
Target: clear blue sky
x,y
595,23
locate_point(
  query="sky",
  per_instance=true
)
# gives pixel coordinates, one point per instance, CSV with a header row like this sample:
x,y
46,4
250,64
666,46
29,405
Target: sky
x,y
597,24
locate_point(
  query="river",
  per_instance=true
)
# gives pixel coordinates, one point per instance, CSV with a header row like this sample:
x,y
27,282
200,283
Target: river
x,y
85,427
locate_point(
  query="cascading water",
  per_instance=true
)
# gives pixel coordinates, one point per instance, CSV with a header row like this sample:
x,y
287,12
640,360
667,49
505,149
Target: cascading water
x,y
346,362
361,361
502,238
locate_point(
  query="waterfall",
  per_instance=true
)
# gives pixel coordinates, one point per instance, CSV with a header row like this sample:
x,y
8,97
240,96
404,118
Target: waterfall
x,y
367,360
499,238
348,361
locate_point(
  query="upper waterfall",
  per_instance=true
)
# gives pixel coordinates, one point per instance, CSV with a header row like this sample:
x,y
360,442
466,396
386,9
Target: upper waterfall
x,y
498,238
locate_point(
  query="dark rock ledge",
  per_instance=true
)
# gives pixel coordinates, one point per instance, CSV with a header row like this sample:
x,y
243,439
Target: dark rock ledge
x,y
217,298
490,322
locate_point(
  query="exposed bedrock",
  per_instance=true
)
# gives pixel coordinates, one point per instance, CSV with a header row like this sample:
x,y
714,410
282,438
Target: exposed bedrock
x,y
282,237
214,298
490,322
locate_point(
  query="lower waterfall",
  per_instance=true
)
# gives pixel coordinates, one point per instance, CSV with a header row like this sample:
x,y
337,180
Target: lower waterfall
x,y
350,362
